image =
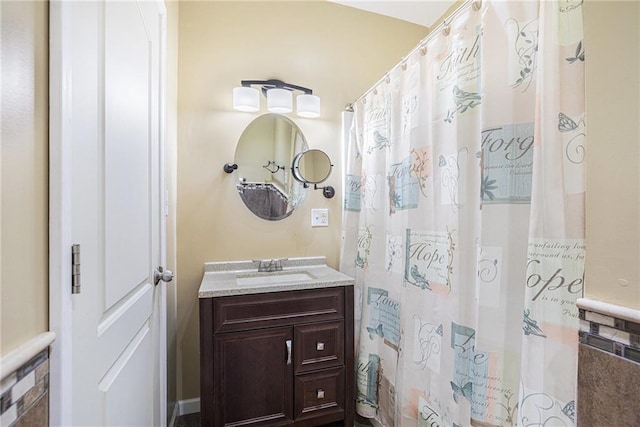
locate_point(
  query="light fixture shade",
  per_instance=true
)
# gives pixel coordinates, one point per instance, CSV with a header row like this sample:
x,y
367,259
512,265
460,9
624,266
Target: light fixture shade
x,y
308,105
246,99
279,100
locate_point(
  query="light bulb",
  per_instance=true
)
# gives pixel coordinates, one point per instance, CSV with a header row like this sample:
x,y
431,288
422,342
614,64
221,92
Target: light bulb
x,y
279,100
308,105
246,99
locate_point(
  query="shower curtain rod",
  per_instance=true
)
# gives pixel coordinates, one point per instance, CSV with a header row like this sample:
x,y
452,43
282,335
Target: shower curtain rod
x,y
477,4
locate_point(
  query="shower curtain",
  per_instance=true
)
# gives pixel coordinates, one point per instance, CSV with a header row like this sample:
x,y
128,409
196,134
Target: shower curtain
x,y
464,222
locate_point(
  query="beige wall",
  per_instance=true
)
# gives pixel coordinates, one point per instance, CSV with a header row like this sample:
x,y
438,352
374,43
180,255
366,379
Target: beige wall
x,y
171,150
337,51
24,173
612,40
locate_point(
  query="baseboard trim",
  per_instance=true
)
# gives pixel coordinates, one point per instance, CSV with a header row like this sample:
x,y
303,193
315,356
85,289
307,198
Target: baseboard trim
x,y
188,406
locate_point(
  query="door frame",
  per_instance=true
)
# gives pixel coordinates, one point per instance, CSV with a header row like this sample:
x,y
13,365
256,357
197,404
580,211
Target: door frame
x,y
60,227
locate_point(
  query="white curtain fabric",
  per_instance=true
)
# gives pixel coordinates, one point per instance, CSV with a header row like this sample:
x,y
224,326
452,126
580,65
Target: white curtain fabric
x,y
464,222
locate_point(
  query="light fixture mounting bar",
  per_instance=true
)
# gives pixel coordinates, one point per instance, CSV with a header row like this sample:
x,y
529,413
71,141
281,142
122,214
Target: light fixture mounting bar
x,y
274,83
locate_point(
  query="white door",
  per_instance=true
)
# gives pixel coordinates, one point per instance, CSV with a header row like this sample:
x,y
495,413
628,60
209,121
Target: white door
x,y
112,73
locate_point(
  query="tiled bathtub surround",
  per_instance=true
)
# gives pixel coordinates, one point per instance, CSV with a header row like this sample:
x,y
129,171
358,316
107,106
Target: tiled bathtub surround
x,y
608,389
24,393
608,365
610,332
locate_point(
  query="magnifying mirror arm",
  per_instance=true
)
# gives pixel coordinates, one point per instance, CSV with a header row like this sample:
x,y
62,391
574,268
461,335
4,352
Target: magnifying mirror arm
x,y
327,191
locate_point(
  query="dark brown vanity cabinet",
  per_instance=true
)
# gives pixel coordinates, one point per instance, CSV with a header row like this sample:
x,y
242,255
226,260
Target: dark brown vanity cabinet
x,y
280,358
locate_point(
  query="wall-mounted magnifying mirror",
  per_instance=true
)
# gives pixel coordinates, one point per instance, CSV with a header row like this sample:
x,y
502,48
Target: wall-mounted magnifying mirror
x,y
313,167
263,160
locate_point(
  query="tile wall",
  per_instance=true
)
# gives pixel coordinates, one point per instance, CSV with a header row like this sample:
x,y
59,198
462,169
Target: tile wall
x,y
608,371
24,394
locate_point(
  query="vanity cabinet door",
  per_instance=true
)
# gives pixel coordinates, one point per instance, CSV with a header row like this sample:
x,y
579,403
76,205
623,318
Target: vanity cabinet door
x,y
254,372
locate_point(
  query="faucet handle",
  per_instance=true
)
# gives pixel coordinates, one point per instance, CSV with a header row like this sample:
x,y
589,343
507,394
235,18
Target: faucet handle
x,y
261,263
274,264
268,264
279,262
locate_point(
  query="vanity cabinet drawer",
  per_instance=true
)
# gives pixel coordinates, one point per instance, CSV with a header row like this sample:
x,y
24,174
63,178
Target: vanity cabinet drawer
x,y
319,393
318,346
243,312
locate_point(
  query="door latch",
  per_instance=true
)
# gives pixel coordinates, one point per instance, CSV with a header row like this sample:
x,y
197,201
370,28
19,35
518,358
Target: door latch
x,y
162,274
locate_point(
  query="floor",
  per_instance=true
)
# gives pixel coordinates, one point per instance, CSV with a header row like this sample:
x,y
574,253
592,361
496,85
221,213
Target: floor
x,y
189,420
193,420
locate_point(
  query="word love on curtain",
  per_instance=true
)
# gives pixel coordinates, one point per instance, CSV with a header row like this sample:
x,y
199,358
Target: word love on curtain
x,y
464,222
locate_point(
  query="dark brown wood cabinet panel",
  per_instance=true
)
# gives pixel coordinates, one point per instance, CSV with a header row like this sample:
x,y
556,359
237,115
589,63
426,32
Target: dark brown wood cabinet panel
x,y
254,311
349,360
319,393
318,346
254,377
248,376
206,362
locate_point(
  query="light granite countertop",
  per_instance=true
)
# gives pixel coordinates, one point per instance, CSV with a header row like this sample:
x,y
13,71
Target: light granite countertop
x,y
242,277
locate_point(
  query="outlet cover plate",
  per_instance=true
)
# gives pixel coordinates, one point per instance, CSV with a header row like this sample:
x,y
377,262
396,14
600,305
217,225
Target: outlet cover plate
x,y
319,217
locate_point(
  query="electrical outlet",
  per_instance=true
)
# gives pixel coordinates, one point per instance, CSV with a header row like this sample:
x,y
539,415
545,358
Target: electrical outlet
x,y
319,217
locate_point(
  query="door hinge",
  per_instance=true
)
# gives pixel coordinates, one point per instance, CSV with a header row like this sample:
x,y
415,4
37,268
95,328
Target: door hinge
x,y
75,269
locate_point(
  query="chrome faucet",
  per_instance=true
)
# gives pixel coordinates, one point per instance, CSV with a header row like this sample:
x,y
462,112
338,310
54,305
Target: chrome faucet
x,y
269,265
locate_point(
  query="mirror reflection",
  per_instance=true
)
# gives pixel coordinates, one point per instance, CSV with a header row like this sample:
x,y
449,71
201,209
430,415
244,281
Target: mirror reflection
x,y
311,167
264,156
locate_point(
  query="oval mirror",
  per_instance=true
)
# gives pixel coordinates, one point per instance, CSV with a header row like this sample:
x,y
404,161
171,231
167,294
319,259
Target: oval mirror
x,y
311,167
264,155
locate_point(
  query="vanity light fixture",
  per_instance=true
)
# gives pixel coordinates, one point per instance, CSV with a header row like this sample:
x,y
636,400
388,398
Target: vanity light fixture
x,y
279,98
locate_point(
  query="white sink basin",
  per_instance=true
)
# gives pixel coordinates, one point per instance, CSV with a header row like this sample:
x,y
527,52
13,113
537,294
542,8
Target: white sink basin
x,y
272,278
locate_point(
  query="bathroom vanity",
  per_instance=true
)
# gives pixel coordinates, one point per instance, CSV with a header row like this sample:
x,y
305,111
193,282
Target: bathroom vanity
x,y
276,347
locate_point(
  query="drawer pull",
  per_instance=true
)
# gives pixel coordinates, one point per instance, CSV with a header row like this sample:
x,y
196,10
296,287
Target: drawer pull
x,y
288,344
320,393
319,346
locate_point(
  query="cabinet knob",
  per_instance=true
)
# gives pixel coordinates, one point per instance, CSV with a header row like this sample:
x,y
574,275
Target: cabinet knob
x,y
319,346
320,393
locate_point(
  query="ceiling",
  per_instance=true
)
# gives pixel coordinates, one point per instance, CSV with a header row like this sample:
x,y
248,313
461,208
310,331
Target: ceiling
x,y
421,12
